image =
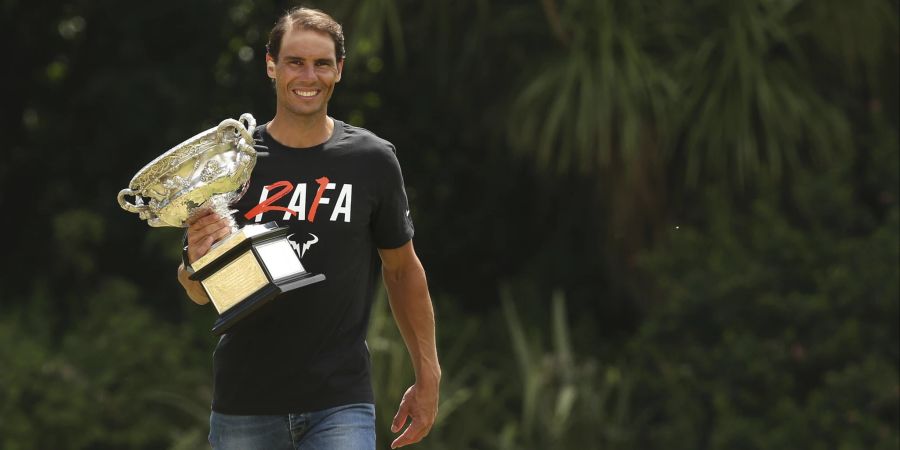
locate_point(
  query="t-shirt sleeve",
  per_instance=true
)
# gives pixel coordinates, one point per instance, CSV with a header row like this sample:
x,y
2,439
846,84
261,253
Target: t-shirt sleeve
x,y
392,225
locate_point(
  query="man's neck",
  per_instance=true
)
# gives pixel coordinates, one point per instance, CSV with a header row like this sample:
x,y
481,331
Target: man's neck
x,y
300,132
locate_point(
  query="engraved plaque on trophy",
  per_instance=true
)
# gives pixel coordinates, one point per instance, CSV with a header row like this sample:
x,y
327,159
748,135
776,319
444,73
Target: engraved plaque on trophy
x,y
253,265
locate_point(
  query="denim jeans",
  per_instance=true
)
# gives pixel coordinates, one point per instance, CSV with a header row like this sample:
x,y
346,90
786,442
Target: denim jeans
x,y
347,427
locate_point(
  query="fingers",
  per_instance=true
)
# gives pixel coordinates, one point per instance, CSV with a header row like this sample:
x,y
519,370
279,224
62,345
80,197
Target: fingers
x,y
199,214
216,230
201,247
204,221
419,426
206,226
205,229
400,417
420,406
414,433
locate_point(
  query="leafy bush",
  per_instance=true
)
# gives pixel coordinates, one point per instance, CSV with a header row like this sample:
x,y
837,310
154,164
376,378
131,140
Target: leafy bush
x,y
120,378
776,326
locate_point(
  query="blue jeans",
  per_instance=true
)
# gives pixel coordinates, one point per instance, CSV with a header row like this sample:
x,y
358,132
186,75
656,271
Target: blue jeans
x,y
347,427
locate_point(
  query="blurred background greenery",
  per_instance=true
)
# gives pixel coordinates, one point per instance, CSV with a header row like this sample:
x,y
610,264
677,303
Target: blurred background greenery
x,y
647,224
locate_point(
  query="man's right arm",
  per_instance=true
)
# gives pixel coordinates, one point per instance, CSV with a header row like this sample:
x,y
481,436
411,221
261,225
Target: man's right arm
x,y
204,229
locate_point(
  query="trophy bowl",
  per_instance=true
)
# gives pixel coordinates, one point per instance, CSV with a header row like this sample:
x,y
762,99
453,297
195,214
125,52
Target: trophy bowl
x,y
254,264
214,165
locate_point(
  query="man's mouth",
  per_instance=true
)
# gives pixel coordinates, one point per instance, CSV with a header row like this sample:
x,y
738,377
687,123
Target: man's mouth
x,y
306,93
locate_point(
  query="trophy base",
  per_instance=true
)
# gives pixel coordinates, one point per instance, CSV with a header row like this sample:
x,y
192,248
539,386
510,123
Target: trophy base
x,y
249,269
230,317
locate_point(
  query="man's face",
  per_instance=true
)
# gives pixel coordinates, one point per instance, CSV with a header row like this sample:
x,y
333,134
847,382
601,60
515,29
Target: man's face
x,y
305,73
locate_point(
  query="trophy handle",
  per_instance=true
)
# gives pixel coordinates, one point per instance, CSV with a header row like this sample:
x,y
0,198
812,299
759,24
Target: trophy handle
x,y
250,121
236,127
140,207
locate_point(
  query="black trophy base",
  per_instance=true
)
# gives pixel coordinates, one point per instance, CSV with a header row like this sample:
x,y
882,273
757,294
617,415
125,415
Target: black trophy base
x,y
249,269
261,297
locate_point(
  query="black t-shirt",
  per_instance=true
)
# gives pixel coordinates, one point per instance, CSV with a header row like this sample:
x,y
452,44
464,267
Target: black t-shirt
x,y
306,350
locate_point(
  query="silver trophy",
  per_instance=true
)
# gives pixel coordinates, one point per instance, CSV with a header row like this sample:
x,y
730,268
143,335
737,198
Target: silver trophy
x,y
255,263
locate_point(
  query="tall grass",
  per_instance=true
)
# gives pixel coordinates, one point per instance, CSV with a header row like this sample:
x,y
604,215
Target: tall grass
x,y
522,387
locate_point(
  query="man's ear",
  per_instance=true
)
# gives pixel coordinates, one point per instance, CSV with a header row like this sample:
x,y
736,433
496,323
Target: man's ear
x,y
270,66
340,69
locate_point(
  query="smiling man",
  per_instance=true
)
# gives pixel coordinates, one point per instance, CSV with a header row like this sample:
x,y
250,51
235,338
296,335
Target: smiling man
x,y
296,374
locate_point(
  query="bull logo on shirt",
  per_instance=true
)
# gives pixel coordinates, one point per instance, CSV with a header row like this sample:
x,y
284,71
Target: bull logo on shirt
x,y
301,250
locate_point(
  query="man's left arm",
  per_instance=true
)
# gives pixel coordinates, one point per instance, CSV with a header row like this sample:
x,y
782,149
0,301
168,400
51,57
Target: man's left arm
x,y
404,278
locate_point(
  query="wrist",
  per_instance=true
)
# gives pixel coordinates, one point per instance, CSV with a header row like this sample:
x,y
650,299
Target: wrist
x,y
429,376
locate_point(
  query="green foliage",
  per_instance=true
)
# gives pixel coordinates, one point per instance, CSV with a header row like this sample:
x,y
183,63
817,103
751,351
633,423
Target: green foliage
x,y
736,97
777,328
78,233
102,385
601,101
371,23
749,105
542,398
566,401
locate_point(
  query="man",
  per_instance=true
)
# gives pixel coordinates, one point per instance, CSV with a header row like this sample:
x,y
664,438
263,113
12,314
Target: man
x,y
295,374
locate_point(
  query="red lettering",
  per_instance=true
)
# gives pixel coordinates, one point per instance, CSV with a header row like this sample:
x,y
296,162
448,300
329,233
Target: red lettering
x,y
323,182
266,205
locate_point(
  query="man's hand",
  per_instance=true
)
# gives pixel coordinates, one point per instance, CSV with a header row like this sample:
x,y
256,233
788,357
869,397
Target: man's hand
x,y
205,229
419,404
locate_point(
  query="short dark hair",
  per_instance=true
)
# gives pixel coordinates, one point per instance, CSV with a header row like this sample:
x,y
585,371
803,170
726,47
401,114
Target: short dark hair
x,y
300,18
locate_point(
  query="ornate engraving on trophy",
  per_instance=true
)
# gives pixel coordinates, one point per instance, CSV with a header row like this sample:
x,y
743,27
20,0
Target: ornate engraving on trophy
x,y
235,281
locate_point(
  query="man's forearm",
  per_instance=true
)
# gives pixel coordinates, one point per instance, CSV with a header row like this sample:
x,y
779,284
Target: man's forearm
x,y
193,288
411,305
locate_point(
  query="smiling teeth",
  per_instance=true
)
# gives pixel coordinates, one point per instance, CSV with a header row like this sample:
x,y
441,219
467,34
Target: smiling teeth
x,y
305,93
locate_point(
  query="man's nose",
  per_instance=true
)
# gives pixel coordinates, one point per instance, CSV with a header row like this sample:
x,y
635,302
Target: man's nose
x,y
307,72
